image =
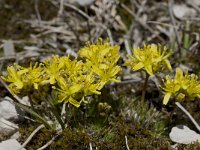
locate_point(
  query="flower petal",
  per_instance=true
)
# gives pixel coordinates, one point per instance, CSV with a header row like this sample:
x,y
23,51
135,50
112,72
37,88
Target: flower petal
x,y
149,69
138,66
74,102
168,64
166,98
75,88
18,84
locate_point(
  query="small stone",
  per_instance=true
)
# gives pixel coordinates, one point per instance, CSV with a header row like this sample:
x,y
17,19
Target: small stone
x,y
25,101
181,11
8,48
183,135
16,135
82,2
11,144
8,111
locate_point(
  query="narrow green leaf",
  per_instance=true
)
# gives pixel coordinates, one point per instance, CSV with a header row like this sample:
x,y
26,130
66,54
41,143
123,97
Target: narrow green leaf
x,y
33,113
57,115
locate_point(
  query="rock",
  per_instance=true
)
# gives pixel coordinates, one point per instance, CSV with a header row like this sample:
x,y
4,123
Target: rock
x,y
8,111
16,135
181,11
7,128
82,2
183,135
25,101
10,144
8,48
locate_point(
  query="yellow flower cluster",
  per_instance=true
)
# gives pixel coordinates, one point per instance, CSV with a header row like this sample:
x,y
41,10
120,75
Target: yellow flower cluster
x,y
181,86
151,58
22,78
102,58
73,80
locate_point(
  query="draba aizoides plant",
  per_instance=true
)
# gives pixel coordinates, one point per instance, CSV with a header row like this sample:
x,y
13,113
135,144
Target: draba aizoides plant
x,y
150,58
182,87
71,80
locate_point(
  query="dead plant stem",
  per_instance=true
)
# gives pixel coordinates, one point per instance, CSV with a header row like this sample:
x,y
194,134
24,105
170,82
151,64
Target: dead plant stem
x,y
188,114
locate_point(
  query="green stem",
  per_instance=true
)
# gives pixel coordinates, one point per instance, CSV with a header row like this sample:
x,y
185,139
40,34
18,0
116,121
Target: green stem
x,y
144,87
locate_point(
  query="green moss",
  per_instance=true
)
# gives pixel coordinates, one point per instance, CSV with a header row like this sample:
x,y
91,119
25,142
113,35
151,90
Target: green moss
x,y
109,137
145,114
193,146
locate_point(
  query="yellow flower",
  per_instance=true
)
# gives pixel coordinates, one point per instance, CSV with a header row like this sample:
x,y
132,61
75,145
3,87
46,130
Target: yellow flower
x,y
67,92
76,83
151,58
171,87
34,76
14,77
72,80
21,78
181,86
101,59
54,66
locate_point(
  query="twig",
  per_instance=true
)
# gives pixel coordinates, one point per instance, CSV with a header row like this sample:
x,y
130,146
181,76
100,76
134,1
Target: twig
x,y
7,123
161,23
170,5
90,146
188,114
92,20
31,136
193,46
63,112
189,3
140,22
129,81
127,147
60,12
128,50
37,11
49,143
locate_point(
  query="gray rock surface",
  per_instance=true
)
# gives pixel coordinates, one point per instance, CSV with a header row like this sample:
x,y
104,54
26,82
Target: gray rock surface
x,y
8,111
182,11
10,144
7,128
82,2
184,135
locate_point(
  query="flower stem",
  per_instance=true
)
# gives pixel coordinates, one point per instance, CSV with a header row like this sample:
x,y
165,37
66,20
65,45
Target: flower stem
x,y
144,87
188,114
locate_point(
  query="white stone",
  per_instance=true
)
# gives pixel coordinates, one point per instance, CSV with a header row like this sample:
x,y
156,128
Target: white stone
x,y
16,135
25,101
11,144
7,128
8,110
82,2
183,135
181,11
